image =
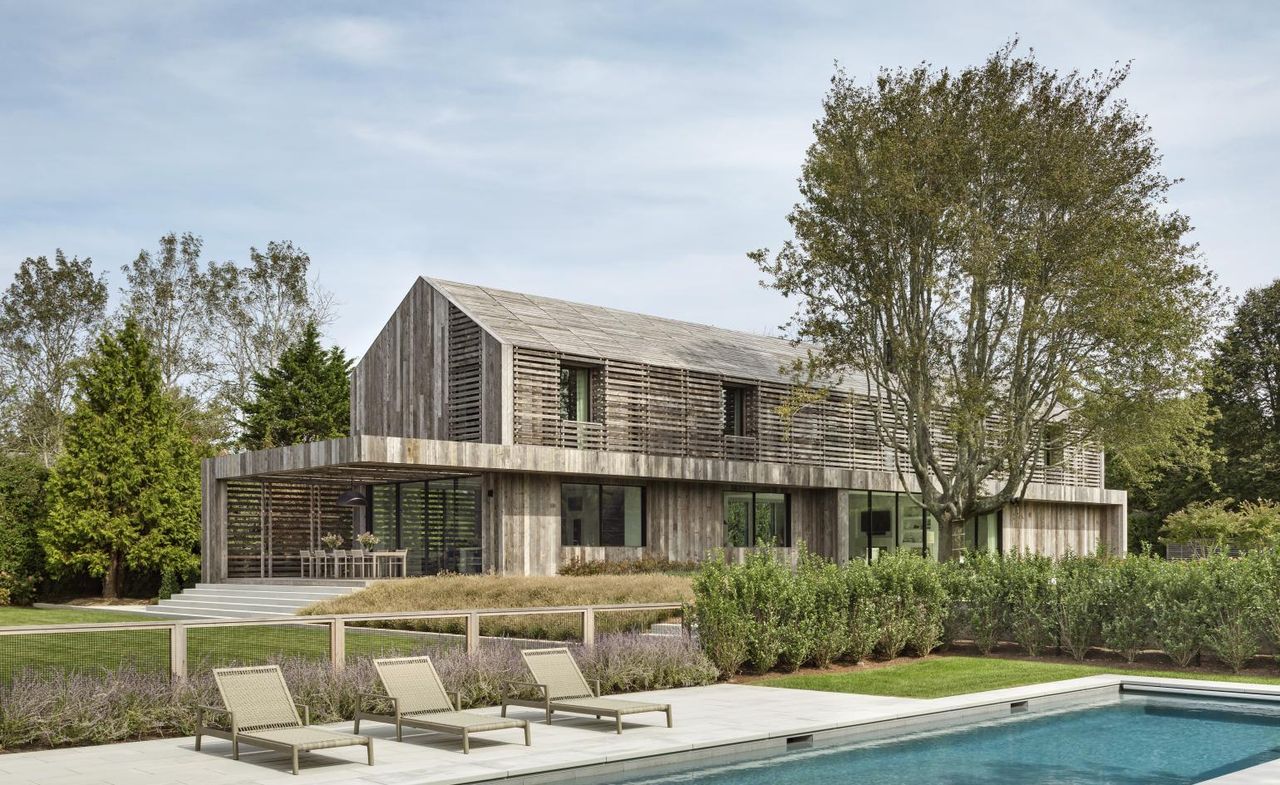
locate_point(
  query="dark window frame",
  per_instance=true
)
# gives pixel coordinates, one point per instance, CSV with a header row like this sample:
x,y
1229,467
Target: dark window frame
x,y
592,378
751,517
600,486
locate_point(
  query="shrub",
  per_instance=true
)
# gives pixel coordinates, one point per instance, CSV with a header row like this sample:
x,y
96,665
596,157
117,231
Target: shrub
x,y
579,567
1128,585
912,604
979,587
1179,610
721,621
1234,609
797,612
863,613
761,585
1030,600
1078,602
829,625
22,514
1269,598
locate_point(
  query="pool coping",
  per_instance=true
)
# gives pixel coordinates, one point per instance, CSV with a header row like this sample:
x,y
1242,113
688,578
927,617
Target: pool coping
x,y
715,723
926,715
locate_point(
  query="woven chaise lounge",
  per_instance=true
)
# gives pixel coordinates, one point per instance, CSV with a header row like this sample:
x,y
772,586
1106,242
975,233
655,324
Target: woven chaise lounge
x,y
262,713
418,699
563,688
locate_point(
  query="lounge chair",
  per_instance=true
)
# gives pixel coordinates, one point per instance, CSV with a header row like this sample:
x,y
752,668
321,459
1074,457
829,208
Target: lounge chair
x,y
418,699
563,688
261,712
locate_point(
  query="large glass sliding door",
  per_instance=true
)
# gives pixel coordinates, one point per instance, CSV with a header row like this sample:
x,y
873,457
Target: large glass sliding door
x,y
436,521
884,522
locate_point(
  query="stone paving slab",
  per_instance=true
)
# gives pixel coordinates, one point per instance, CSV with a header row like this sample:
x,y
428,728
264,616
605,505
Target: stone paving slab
x,y
705,718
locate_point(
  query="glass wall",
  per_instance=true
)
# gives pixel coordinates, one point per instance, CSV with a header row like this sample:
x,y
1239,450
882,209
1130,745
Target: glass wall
x,y
436,522
983,533
756,518
609,515
881,522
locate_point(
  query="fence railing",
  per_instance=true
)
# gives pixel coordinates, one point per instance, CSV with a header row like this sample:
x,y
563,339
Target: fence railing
x,y
177,644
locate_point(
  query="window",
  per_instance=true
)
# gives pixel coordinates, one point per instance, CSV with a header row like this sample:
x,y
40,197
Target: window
x,y
575,393
608,515
752,519
983,533
735,399
1055,434
884,522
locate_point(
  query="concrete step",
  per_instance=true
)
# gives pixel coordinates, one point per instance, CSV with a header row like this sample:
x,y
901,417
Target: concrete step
x,y
666,628
291,598
251,600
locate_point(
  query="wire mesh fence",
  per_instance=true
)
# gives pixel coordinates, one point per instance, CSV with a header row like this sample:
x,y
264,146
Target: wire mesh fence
x,y
142,650
222,645
184,648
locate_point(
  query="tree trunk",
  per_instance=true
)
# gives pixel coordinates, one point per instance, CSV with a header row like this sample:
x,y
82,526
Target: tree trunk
x,y
111,581
955,541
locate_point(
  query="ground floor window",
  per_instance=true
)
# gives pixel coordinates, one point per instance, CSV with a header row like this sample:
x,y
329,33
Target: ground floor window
x,y
883,522
756,518
437,522
983,533
608,515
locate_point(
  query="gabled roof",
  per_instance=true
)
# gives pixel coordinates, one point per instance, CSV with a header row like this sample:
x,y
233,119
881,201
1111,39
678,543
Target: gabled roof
x,y
593,331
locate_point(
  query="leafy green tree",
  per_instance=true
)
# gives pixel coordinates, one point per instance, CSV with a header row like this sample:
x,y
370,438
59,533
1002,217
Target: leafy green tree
x,y
992,249
304,398
1246,390
22,513
48,317
126,491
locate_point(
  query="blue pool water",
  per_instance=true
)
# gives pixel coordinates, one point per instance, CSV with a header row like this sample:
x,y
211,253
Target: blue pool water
x,y
1138,740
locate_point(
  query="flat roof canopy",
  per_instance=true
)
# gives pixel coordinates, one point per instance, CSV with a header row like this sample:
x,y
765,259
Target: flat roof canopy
x,y
378,459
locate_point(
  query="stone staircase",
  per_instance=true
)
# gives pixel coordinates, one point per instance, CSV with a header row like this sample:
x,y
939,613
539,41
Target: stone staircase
x,y
281,597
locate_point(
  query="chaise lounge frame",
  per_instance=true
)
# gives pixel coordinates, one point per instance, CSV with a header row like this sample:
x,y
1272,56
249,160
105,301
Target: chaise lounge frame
x,y
262,713
557,676
419,700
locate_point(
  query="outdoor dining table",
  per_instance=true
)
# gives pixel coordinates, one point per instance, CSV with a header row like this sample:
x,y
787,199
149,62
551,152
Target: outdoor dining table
x,y
389,560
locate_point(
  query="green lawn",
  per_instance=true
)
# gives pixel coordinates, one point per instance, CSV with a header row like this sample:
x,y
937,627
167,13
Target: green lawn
x,y
149,649
938,677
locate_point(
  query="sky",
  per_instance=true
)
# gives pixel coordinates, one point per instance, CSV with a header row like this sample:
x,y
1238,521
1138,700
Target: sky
x,y
627,154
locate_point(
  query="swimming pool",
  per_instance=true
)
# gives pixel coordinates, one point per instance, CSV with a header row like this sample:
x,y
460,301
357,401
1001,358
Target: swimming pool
x,y
1138,739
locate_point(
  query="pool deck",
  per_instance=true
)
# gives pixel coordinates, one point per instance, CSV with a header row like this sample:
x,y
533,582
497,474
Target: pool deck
x,y
718,719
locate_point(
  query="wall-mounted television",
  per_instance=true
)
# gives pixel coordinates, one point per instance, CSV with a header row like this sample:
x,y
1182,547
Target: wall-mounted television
x,y
877,523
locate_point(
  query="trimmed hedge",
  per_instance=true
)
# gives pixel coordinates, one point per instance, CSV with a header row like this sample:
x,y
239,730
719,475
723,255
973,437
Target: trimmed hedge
x,y
763,615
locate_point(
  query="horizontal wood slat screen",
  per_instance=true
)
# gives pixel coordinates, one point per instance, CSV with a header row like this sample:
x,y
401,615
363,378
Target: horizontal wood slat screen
x,y
678,412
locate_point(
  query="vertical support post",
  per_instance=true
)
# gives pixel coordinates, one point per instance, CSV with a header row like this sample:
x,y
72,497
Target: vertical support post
x,y
473,632
337,644
589,627
178,651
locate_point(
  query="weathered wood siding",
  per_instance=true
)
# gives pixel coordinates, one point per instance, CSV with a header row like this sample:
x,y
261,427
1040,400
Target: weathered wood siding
x,y
432,373
678,412
1058,529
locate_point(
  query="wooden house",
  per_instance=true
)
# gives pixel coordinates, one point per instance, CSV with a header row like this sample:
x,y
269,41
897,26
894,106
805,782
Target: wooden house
x,y
501,432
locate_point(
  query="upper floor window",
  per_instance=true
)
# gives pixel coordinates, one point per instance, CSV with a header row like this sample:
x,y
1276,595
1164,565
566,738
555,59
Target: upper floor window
x,y
575,393
735,404
1054,444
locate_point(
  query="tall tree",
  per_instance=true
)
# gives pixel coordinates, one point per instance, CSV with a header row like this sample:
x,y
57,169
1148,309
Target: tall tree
x,y
303,398
1246,390
992,249
256,311
48,317
126,491
165,294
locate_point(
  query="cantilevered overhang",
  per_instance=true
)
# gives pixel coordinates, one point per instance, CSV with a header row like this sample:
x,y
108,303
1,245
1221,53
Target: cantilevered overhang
x,y
373,459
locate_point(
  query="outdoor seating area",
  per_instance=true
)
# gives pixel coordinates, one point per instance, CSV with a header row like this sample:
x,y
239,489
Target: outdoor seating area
x,y
355,563
258,709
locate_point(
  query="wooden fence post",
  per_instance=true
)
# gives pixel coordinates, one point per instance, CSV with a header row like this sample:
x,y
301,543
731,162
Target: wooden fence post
x,y
473,632
338,644
589,627
178,651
